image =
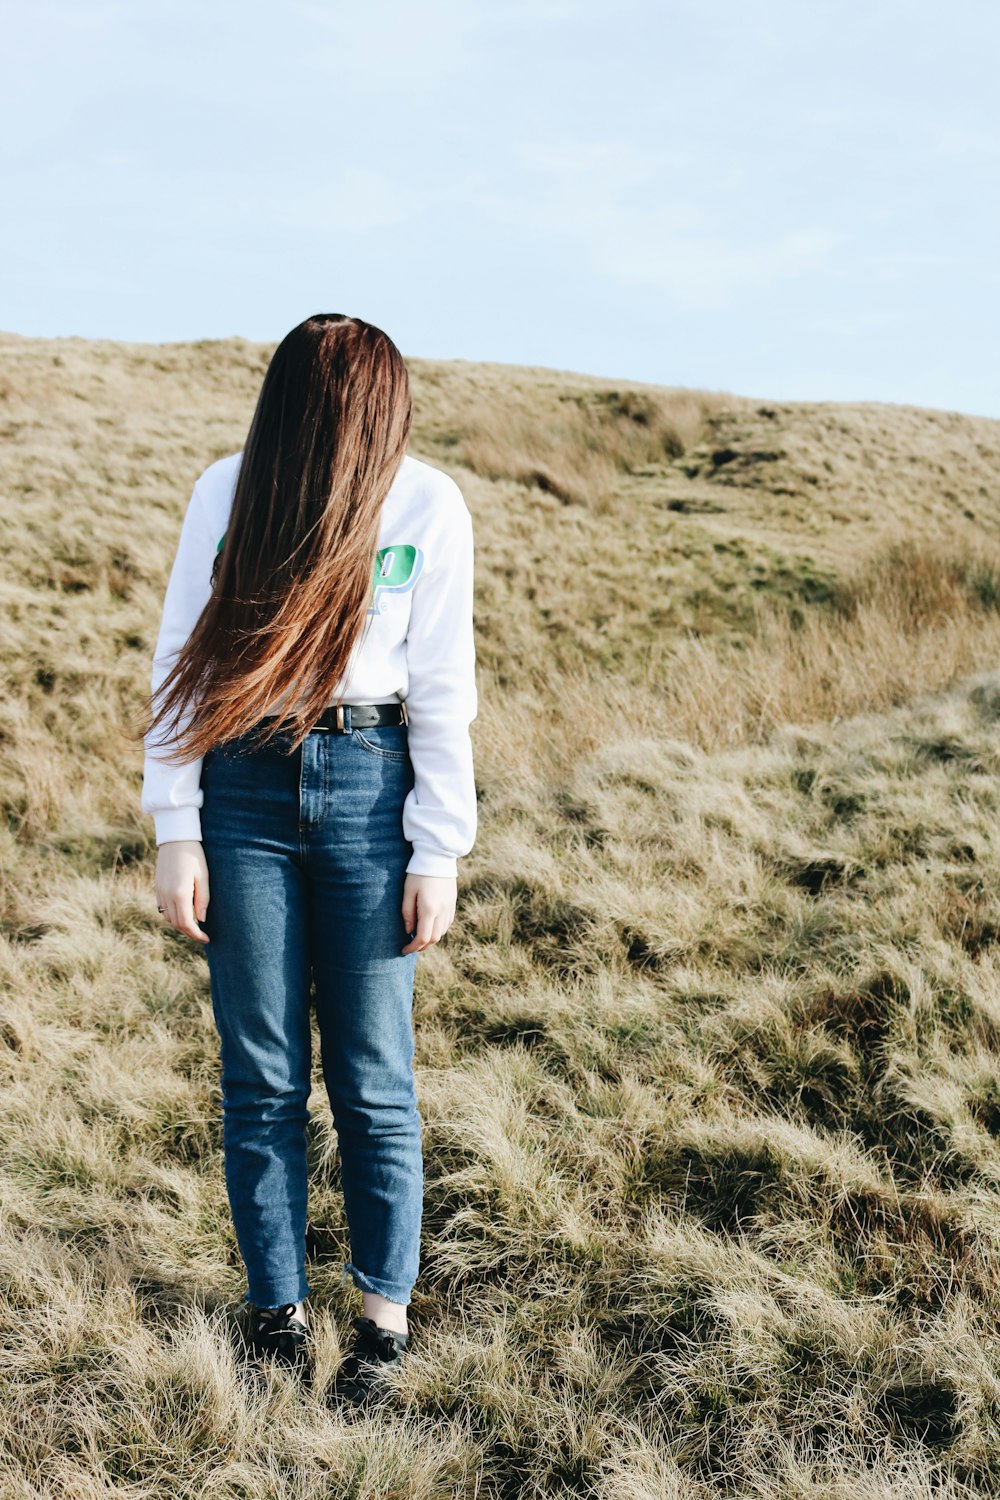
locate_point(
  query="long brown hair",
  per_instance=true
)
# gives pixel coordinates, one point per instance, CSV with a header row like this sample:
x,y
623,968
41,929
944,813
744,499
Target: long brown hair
x,y
293,578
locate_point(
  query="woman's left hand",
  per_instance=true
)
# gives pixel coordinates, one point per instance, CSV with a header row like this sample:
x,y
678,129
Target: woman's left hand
x,y
428,908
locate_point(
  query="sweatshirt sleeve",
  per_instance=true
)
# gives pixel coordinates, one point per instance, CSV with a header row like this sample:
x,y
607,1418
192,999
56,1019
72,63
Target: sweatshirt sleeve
x,y
172,793
439,813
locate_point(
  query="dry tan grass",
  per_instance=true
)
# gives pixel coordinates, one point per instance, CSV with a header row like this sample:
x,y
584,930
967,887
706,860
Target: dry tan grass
x,y
709,1061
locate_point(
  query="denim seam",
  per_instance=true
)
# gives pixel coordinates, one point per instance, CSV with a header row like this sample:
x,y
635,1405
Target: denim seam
x,y
350,1272
378,749
301,820
268,1299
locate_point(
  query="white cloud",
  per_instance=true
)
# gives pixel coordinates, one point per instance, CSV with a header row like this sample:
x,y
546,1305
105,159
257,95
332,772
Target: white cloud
x,y
613,211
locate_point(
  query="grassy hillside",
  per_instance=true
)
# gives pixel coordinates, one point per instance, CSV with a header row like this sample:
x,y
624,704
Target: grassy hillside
x,y
710,1061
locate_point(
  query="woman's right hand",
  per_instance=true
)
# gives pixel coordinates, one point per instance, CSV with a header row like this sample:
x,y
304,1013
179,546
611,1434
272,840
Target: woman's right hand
x,y
182,886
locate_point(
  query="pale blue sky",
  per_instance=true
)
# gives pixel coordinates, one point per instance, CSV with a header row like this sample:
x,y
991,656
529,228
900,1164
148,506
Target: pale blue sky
x,y
793,200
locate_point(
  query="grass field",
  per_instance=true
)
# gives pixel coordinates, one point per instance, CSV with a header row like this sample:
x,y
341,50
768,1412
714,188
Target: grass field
x,y
709,1062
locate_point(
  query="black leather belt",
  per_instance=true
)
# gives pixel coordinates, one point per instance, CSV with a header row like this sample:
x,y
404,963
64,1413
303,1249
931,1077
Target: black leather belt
x,y
347,716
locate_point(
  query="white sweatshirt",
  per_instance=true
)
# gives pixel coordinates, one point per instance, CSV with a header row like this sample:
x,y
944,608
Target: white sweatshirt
x,y
417,645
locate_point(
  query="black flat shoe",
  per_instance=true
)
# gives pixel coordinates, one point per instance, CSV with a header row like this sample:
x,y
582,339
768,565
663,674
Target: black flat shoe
x,y
279,1336
359,1382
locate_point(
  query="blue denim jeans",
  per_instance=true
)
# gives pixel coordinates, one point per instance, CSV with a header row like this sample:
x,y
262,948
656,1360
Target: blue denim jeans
x,y
306,861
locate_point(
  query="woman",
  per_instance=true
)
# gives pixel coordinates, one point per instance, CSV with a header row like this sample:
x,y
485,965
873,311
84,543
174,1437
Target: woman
x,y
309,772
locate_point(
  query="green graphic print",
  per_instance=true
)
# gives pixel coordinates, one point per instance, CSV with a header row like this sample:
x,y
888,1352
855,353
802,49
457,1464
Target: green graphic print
x,y
396,570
